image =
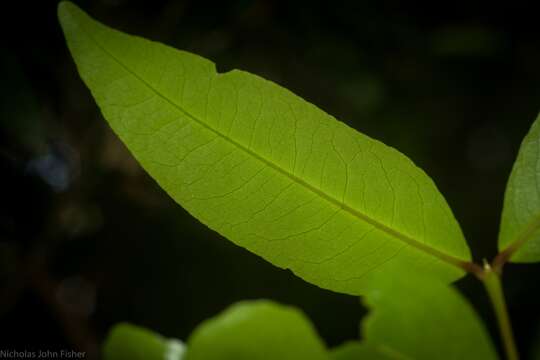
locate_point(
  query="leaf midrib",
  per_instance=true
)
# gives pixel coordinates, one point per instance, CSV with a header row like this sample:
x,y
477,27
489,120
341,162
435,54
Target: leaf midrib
x,y
522,238
461,264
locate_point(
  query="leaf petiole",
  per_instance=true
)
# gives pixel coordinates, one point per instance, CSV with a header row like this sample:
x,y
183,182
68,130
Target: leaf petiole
x,y
492,282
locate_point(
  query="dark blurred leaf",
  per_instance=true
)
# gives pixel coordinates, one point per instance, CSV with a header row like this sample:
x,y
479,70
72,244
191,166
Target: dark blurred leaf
x,y
130,342
256,330
359,351
421,318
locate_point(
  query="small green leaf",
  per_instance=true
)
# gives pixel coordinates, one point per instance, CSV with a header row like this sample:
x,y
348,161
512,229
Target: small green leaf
x,y
354,350
519,235
421,318
265,168
256,330
129,342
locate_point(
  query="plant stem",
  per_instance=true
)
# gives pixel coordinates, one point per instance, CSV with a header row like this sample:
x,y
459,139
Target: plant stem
x,y
492,282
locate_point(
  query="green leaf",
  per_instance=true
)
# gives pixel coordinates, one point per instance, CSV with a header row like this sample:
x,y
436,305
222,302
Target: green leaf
x,y
519,236
421,318
129,342
359,351
263,167
256,330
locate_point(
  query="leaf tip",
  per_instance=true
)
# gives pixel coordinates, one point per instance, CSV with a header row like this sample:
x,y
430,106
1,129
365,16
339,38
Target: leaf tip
x,y
66,12
63,9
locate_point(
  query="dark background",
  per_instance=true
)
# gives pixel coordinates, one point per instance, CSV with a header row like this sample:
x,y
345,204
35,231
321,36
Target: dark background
x,y
88,239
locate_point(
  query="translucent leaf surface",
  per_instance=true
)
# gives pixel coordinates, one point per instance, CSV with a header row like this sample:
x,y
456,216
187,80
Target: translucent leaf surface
x,y
265,168
421,318
519,235
130,342
256,330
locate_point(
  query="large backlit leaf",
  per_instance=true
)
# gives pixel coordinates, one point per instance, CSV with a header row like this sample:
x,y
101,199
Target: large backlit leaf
x,y
263,167
423,319
256,330
520,225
